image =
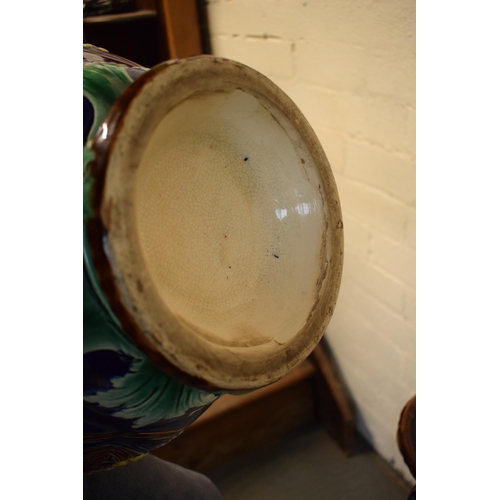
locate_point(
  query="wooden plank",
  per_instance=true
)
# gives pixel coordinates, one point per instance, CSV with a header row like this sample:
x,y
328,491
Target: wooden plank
x,y
133,35
304,372
120,17
334,410
182,30
236,425
146,4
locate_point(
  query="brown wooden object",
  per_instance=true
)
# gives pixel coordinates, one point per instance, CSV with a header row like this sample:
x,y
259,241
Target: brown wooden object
x,y
158,30
181,25
133,35
334,410
235,425
407,434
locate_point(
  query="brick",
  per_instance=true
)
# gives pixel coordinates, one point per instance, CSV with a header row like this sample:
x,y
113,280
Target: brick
x,y
390,25
324,108
376,282
374,208
346,333
333,144
382,122
392,73
335,21
411,133
363,23
397,259
388,325
365,350
335,66
372,119
289,18
379,398
409,306
356,238
370,403
381,433
392,403
392,173
249,50
240,18
408,379
410,229
281,18
387,380
376,403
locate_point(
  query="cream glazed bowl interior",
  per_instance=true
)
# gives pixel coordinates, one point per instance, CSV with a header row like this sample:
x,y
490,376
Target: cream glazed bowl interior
x,y
222,223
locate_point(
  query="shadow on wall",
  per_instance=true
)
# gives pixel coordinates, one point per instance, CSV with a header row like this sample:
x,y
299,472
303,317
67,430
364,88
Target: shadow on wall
x,y
360,425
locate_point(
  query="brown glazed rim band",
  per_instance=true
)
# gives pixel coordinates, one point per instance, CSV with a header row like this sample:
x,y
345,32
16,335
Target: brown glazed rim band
x,y
175,345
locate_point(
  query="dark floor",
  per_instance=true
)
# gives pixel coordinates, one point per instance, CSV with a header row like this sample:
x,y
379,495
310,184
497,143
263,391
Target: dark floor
x,y
309,465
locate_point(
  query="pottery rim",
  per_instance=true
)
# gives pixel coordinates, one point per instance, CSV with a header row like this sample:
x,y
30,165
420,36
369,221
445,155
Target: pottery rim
x,y
180,347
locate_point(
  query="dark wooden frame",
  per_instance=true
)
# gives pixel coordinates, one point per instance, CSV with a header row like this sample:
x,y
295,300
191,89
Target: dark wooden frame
x,y
172,26
236,425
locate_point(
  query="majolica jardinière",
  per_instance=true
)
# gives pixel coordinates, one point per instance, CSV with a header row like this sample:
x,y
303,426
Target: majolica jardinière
x,y
212,244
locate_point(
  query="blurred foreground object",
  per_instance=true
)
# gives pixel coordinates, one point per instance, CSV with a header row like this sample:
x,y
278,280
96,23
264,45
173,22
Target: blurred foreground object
x,y
407,437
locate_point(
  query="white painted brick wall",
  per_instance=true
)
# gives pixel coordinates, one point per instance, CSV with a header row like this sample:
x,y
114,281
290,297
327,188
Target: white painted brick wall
x,y
277,63
383,170
350,67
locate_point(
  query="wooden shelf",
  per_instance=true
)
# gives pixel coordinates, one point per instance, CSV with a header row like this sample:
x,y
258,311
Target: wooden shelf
x,y
134,35
236,425
157,31
120,18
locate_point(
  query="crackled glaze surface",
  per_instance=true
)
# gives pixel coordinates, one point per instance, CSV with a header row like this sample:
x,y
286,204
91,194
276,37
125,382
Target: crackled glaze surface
x,y
229,220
